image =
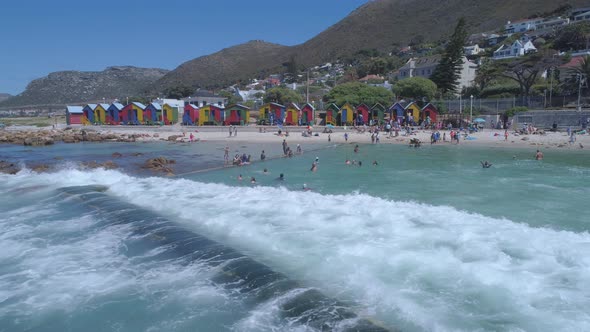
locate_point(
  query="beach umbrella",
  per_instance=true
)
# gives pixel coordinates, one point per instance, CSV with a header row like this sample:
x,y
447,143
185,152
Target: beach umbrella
x,y
479,120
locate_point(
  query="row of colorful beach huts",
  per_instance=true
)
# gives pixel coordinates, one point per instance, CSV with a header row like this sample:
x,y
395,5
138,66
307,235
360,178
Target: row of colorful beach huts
x,y
270,114
157,114
347,114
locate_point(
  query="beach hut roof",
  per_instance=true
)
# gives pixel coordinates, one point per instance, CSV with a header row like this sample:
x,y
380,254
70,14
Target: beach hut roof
x,y
104,106
140,105
118,106
333,106
277,104
295,105
74,109
91,106
239,106
310,105
431,106
378,105
156,106
412,103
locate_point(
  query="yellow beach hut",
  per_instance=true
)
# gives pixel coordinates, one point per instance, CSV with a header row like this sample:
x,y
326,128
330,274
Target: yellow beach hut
x,y
100,113
413,110
346,114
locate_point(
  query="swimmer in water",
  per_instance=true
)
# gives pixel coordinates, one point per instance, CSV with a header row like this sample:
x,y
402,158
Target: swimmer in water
x,y
375,163
252,180
281,177
265,171
305,187
240,177
485,164
539,155
314,166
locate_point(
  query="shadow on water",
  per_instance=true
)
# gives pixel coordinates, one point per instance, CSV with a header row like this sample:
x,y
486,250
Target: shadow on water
x,y
235,271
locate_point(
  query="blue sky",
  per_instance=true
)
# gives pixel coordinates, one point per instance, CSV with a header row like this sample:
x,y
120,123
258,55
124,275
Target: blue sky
x,y
41,36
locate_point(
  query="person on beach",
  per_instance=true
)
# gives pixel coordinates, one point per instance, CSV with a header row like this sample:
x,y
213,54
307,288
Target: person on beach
x,y
235,131
226,154
346,137
485,164
285,147
230,130
506,135
539,155
329,138
262,156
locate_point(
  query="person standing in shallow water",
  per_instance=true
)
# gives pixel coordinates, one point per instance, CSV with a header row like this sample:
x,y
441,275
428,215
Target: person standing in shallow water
x,y
539,155
262,156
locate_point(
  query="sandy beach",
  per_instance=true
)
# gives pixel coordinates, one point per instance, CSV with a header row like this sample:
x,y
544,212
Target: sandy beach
x,y
252,134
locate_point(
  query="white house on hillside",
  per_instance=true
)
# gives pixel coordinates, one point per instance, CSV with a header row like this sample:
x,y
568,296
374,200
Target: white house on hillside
x,y
581,17
472,50
522,25
515,50
552,23
424,67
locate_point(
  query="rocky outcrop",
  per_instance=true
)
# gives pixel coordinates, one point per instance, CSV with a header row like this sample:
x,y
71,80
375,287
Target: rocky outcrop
x,y
93,164
7,167
48,137
160,165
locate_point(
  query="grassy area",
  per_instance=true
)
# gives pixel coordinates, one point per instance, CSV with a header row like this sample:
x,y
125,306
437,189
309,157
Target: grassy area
x,y
37,121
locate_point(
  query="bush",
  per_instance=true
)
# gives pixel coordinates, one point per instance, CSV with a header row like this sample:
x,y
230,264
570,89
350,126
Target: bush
x,y
500,89
511,112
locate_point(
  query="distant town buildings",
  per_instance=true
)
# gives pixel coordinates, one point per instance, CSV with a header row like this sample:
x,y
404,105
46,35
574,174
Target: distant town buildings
x,y
516,49
424,67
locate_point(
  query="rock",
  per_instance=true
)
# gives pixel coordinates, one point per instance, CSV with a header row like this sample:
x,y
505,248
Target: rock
x,y
137,154
40,168
8,167
109,165
174,138
116,155
159,164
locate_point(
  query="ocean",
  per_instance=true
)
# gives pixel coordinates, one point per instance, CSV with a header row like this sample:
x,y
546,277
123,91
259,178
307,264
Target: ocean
x,y
425,240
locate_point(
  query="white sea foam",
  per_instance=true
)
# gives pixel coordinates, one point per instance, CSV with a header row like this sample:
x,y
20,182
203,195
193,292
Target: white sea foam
x,y
408,264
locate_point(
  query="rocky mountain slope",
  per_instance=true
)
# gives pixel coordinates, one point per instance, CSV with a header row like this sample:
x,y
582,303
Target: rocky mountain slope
x,y
379,24
77,86
228,66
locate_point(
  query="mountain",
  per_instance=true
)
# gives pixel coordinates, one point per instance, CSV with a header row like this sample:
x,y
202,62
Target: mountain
x,y
227,66
379,24
4,96
78,86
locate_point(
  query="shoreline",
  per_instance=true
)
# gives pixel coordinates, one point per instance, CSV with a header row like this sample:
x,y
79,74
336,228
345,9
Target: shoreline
x,y
252,134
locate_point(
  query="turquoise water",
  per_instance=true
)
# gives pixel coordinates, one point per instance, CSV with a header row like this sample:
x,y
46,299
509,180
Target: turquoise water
x,y
427,240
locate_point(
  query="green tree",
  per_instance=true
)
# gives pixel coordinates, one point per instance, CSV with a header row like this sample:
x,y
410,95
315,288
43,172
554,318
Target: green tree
x,y
282,96
526,70
291,70
415,88
486,74
447,73
232,98
358,93
572,37
178,92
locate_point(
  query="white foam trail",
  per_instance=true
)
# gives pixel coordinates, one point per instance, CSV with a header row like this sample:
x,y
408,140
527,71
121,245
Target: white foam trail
x,y
411,265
